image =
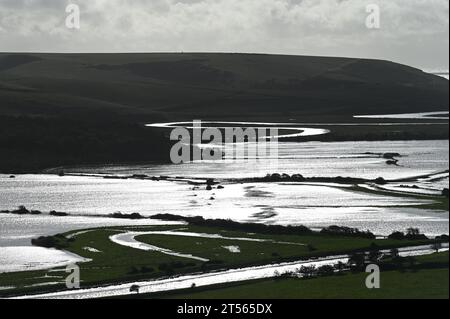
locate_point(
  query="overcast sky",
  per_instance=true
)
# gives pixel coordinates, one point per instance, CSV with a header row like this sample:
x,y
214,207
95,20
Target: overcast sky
x,y
414,32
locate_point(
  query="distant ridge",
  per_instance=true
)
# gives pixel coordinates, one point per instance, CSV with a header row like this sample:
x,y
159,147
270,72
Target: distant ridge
x,y
186,85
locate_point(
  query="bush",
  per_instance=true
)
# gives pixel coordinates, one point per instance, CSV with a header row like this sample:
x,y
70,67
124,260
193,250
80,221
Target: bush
x,y
21,210
380,181
58,242
119,215
442,238
232,225
347,231
308,271
58,214
397,235
414,234
326,270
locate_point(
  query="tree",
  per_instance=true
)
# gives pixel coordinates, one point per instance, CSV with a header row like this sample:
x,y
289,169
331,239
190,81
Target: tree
x,y
357,261
413,232
135,288
325,270
307,271
436,246
374,253
394,253
397,235
340,266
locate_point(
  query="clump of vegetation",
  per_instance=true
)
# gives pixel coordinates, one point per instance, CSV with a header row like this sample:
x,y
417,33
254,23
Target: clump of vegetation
x,y
391,155
283,178
397,235
139,176
232,225
436,246
307,271
380,181
135,288
347,231
58,241
22,210
58,214
274,178
411,234
326,271
126,216
443,238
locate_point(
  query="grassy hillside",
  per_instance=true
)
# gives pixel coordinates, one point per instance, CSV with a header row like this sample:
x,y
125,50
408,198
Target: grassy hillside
x,y
65,109
428,279
212,85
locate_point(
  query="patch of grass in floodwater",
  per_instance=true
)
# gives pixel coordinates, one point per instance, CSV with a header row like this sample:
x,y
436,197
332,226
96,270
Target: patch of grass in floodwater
x,y
428,281
119,264
439,203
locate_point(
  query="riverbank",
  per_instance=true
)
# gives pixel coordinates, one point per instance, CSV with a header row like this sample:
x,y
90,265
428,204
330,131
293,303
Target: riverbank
x,y
217,250
428,279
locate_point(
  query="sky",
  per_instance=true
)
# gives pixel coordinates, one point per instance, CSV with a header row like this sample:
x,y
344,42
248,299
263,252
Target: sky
x,y
413,32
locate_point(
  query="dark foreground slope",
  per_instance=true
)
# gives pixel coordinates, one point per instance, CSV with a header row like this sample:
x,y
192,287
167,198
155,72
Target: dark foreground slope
x,y
85,107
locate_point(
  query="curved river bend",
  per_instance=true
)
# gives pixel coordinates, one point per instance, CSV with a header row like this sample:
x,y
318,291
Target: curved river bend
x,y
228,276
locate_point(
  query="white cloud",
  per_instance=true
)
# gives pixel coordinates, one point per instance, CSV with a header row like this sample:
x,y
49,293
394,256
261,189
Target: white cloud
x,y
412,31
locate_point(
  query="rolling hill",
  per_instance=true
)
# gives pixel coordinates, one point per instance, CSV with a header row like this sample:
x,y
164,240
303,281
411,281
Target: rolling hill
x,y
71,109
182,86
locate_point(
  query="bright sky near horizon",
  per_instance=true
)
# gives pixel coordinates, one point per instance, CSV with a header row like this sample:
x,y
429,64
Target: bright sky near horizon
x,y
413,32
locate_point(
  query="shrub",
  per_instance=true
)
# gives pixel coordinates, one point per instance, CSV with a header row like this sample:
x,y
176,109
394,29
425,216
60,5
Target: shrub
x,y
21,210
58,242
326,270
397,235
126,216
58,214
347,231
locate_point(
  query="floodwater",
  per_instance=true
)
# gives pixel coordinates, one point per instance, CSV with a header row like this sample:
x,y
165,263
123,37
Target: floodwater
x,y
271,203
34,258
315,206
352,159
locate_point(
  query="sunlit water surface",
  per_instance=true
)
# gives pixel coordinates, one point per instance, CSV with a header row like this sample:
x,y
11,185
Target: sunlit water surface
x,y
315,206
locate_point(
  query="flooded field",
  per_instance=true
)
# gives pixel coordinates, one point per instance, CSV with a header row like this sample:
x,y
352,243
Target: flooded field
x,y
88,198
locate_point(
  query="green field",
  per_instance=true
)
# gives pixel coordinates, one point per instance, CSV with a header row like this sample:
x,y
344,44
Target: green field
x,y
113,263
428,280
419,285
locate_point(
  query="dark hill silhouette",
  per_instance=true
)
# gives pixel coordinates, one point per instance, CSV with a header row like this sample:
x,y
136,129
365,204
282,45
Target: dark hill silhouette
x,y
69,109
213,85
